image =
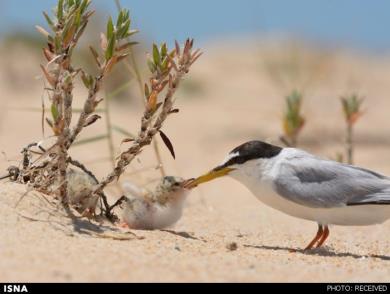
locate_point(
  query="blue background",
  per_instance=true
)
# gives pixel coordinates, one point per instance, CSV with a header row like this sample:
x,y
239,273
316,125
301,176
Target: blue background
x,y
363,24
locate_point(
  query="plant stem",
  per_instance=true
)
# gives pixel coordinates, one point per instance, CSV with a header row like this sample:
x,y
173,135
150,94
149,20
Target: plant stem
x,y
109,131
88,108
294,141
135,69
349,143
158,157
285,141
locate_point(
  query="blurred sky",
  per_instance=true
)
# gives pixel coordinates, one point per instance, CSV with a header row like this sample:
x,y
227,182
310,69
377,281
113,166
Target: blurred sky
x,y
363,24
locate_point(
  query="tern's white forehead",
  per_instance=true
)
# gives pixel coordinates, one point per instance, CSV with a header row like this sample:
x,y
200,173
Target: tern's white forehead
x,y
230,156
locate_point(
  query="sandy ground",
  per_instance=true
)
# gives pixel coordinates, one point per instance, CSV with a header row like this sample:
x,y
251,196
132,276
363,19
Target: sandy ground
x,y
235,100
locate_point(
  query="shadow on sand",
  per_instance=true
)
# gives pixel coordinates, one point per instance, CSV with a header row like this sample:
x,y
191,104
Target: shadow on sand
x,y
319,251
183,235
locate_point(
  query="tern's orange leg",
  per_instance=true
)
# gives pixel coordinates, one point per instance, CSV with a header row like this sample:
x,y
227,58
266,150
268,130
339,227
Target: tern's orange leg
x,y
318,236
325,235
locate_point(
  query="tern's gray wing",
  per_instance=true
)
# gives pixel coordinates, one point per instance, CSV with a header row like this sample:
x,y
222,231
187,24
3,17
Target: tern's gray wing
x,y
319,183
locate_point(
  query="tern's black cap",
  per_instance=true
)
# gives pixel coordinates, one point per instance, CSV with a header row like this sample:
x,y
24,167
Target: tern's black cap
x,y
252,150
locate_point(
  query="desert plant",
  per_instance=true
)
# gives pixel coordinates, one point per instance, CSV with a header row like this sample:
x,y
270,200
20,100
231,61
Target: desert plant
x,y
293,121
351,105
49,172
67,26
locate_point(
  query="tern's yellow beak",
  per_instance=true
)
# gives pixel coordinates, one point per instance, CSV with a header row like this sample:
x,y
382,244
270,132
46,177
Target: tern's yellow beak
x,y
214,174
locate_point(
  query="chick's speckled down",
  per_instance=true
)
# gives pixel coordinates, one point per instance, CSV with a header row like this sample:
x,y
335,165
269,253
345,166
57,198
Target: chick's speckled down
x,y
158,209
80,187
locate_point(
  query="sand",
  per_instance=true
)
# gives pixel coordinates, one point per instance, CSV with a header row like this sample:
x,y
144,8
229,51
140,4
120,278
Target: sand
x,y
225,234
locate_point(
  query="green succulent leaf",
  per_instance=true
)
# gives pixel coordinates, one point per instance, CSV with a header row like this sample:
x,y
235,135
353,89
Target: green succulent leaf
x,y
49,21
54,112
352,107
164,50
147,91
152,66
60,9
110,48
110,29
86,80
120,18
122,32
156,55
84,6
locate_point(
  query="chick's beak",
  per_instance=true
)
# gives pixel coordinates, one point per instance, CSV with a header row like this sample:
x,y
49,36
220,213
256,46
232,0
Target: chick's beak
x,y
214,174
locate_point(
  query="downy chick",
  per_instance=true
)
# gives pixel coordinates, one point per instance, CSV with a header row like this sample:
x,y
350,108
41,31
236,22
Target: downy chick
x,y
158,209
